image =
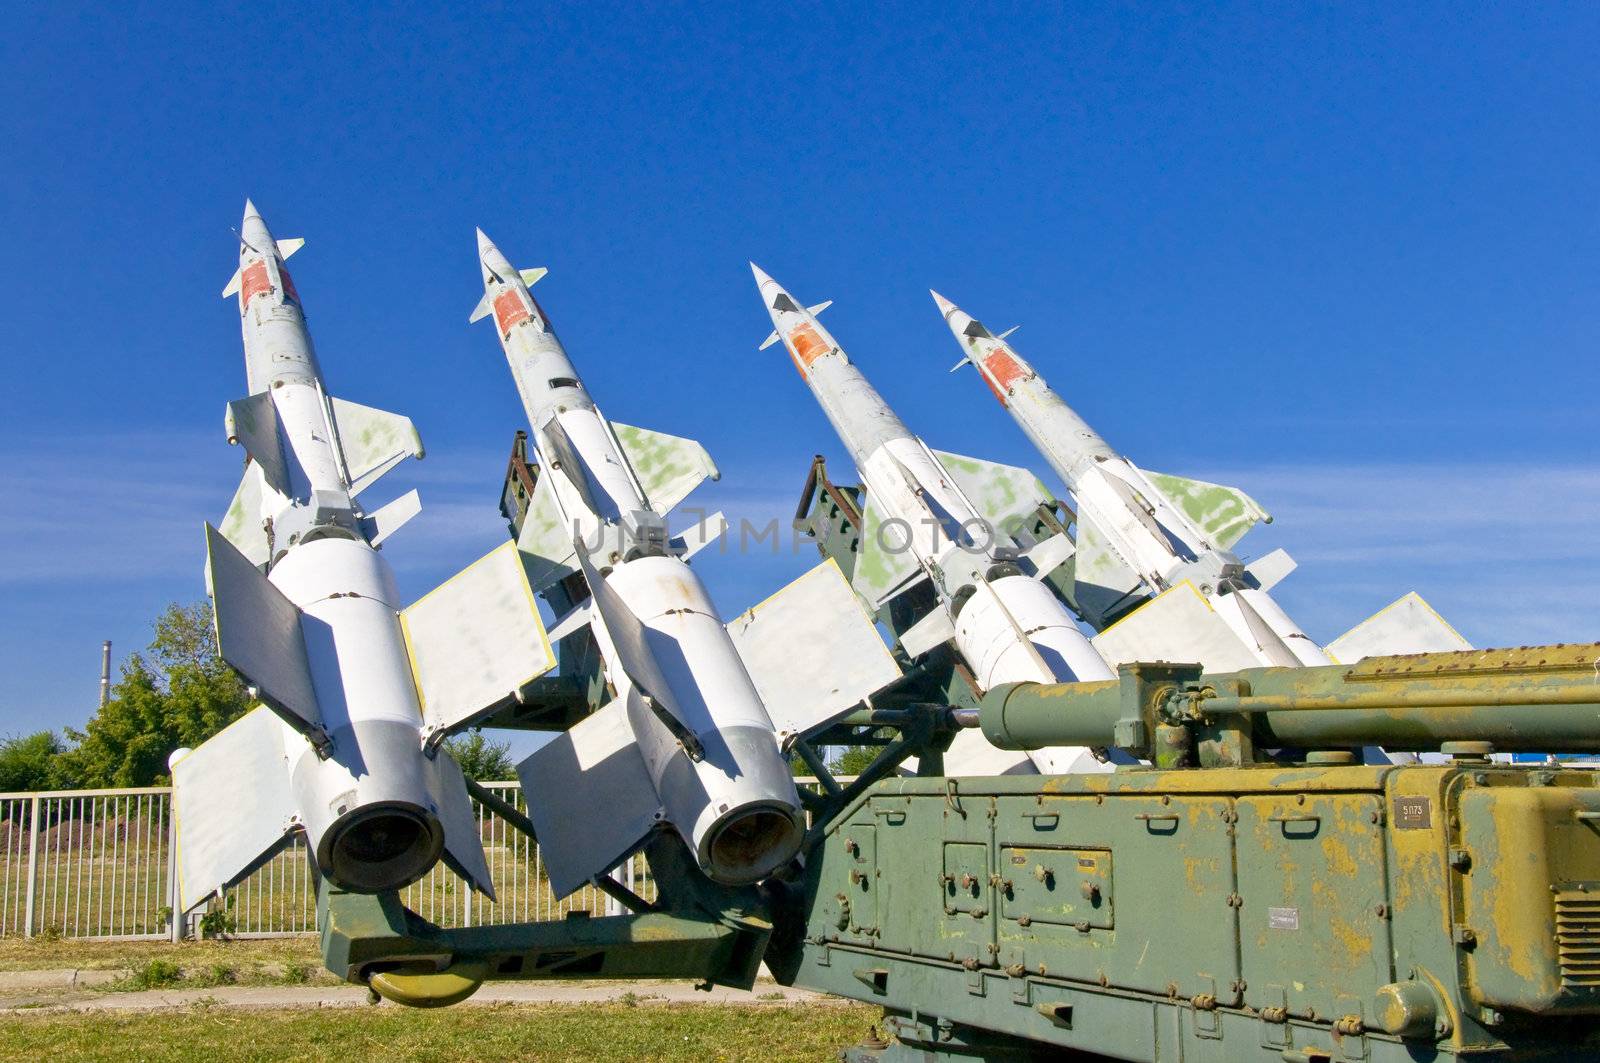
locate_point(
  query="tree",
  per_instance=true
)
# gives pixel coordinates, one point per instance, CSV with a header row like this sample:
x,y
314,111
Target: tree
x,y
481,760
179,694
33,762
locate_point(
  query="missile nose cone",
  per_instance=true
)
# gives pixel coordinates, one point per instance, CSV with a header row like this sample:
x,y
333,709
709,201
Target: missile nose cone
x,y
762,280
945,305
250,211
485,245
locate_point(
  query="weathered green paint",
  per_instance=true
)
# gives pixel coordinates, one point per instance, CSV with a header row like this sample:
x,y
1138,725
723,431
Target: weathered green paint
x,y
369,437
1219,914
667,467
1223,513
1006,496
880,566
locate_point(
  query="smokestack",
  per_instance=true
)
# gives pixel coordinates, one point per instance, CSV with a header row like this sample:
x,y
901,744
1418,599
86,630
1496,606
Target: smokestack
x,y
105,672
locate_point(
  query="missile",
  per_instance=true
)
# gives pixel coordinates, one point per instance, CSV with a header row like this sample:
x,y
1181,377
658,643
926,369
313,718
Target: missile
x,y
357,693
1146,537
686,743
1005,624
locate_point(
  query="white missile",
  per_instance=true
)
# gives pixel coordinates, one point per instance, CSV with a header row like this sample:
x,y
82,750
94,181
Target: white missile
x,y
1006,625
687,741
1144,536
357,693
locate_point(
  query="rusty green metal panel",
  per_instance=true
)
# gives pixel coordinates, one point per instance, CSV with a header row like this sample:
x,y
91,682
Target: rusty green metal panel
x,y
1264,913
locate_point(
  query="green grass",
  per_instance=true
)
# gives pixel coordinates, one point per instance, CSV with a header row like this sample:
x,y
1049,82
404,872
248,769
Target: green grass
x,y
37,954
544,1033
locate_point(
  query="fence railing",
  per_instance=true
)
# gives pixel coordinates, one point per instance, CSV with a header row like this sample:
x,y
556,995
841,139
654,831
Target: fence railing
x,y
98,863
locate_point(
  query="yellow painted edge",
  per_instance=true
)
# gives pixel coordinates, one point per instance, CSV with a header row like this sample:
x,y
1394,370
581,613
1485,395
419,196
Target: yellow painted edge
x,y
1186,583
1409,594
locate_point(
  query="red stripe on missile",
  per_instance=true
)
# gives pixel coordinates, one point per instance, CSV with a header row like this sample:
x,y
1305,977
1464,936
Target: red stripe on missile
x,y
288,286
254,282
510,311
808,347
1003,370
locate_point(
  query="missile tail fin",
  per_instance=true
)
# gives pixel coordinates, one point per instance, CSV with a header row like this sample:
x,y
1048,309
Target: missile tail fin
x,y
474,642
772,337
1407,625
242,525
287,248
259,635
545,540
594,764
463,844
530,277
1222,513
1007,497
372,441
391,518
812,651
252,423
1104,585
221,840
482,310
1177,625
667,468
885,565
232,287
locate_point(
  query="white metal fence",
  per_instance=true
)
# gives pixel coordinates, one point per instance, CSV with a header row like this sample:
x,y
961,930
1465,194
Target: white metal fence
x,y
98,863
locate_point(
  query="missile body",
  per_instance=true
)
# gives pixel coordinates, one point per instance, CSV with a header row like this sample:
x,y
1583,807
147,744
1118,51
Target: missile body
x,y
1007,626
307,610
1134,523
705,738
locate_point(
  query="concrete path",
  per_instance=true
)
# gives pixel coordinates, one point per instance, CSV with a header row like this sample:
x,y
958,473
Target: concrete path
x,y
36,992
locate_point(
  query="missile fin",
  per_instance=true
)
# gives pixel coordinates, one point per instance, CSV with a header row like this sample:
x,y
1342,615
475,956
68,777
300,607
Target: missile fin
x,y
1104,585
631,640
772,337
1047,555
287,248
1407,625
885,566
965,360
667,468
242,524
463,843
372,441
819,308
221,839
391,518
474,642
932,630
694,539
1224,514
253,424
232,287
545,540
530,277
1008,332
595,764
259,635
812,651
1269,570
1177,625
482,310
1007,496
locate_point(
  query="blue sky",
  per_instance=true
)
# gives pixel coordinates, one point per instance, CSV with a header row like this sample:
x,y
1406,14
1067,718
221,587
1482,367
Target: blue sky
x,y
1344,256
